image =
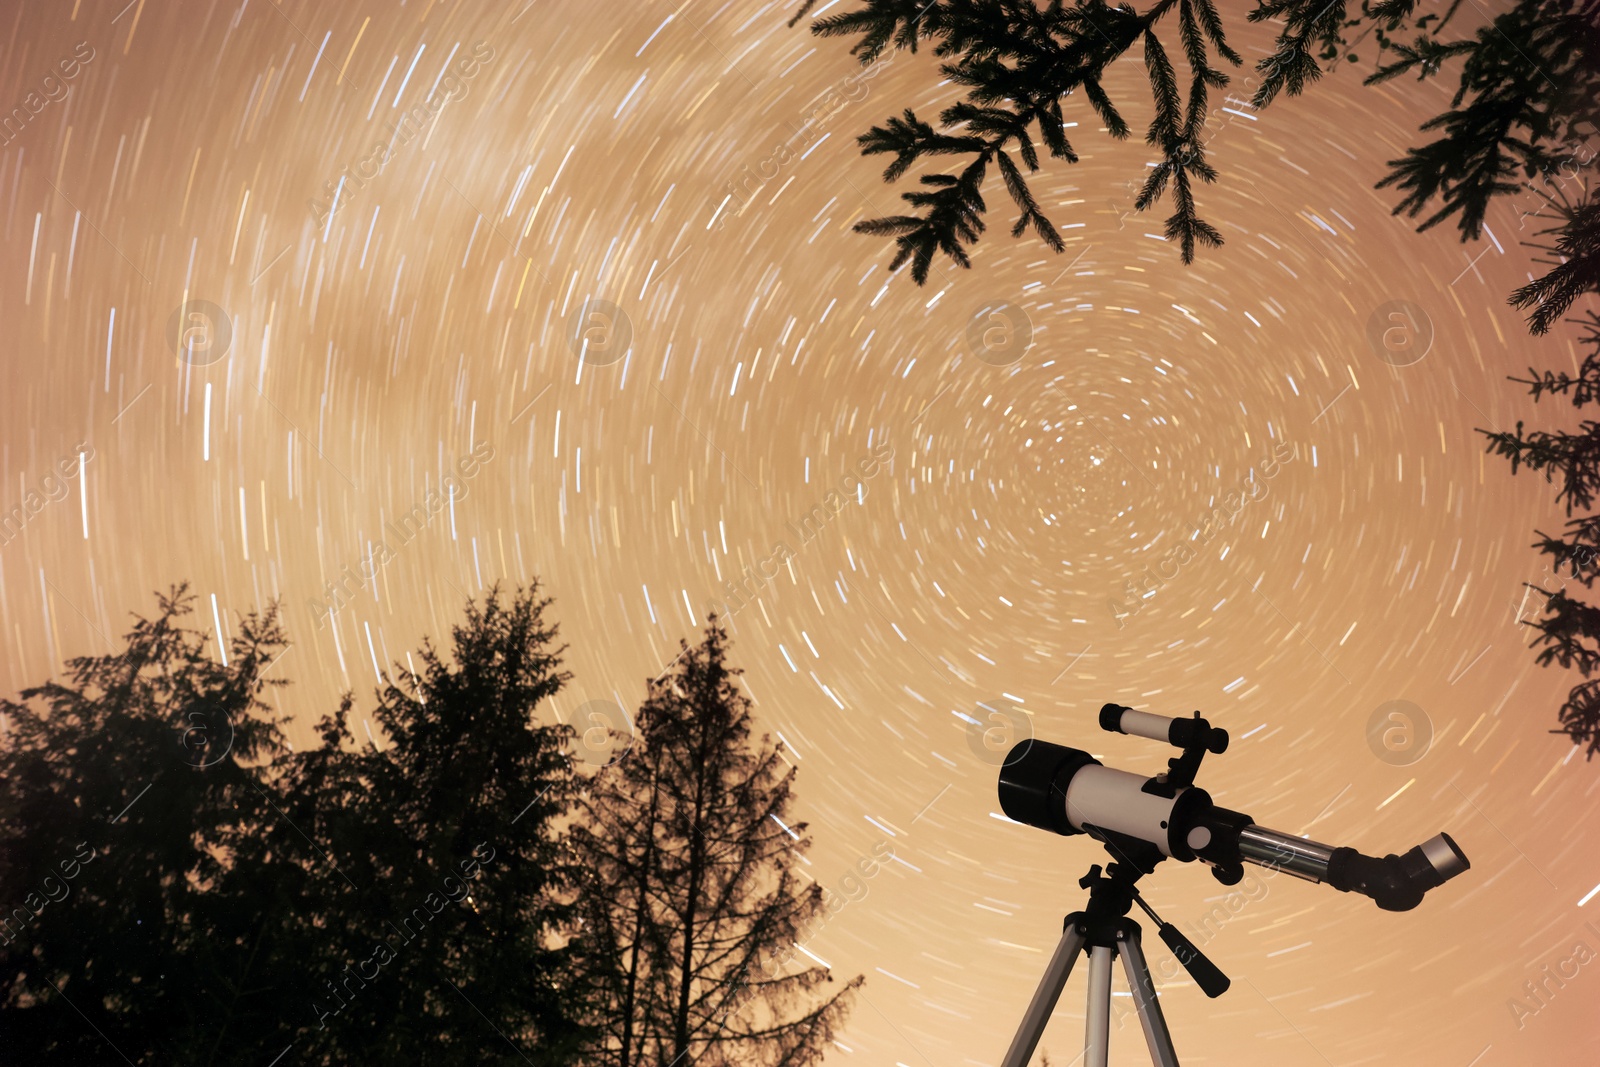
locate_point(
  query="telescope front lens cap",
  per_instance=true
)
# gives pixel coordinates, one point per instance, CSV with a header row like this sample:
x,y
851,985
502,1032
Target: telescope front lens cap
x,y
1033,784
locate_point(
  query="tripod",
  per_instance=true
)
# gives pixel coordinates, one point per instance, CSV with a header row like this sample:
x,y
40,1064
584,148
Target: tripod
x,y
1102,931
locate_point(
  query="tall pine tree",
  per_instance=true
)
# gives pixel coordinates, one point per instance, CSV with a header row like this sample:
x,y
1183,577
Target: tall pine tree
x,y
694,906
446,902
181,888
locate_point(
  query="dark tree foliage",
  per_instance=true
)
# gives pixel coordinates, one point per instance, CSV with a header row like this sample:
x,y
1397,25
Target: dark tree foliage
x,y
693,902
1018,62
1575,269
181,888
1569,630
131,878
445,899
1524,110
1525,103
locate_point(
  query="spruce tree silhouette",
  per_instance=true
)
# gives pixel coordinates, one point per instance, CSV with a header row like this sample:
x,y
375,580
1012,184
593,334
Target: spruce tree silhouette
x,y
181,888
445,902
693,904
1568,631
135,921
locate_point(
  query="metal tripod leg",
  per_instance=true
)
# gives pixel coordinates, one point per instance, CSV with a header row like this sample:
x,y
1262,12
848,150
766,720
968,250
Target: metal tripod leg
x,y
1044,1000
1144,998
1097,1018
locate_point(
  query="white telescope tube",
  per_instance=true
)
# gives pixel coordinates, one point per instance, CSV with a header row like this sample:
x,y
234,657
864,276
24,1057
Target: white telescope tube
x,y
1110,799
1145,724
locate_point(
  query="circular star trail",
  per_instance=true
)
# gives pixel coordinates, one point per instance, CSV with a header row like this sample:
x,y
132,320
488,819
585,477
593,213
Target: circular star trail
x,y
366,307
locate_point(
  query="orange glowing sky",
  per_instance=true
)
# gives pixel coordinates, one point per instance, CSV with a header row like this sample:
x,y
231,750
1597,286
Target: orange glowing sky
x,y
770,351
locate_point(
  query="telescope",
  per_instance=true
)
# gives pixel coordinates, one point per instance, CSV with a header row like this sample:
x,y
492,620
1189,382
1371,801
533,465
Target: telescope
x,y
1068,791
1143,821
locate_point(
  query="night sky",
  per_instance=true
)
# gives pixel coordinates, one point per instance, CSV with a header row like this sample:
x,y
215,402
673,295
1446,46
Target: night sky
x,y
256,318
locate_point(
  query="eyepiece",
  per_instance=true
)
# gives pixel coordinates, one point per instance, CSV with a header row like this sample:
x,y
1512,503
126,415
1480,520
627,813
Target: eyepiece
x,y
1443,859
1398,883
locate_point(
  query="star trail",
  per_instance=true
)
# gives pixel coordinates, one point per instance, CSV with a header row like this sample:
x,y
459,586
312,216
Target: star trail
x,y
365,307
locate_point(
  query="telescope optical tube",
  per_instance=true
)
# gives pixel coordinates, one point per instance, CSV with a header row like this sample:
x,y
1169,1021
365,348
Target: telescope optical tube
x,y
1067,791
